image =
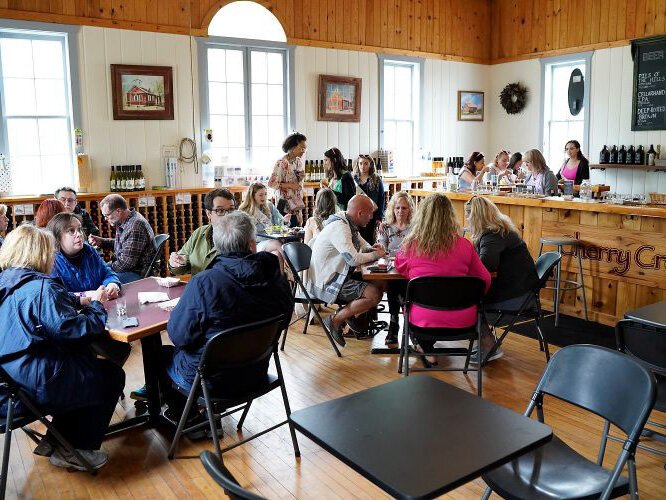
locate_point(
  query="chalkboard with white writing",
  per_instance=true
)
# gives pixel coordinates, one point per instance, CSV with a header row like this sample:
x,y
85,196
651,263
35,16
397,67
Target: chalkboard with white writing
x,y
649,106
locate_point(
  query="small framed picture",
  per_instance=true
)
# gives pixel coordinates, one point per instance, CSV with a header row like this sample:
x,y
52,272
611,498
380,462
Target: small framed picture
x,y
142,92
339,99
470,106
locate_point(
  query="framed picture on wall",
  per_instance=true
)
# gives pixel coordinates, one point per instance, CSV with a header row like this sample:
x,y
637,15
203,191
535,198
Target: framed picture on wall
x,y
339,99
470,106
142,92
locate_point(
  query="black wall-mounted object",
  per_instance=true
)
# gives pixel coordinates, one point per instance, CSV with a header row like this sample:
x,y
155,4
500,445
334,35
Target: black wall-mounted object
x,y
649,98
576,91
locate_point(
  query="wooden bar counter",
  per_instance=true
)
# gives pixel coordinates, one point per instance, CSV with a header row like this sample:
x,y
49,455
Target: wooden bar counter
x,y
623,249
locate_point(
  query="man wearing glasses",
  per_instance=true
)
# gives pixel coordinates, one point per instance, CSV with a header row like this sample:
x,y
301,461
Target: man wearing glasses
x,y
199,250
67,196
134,244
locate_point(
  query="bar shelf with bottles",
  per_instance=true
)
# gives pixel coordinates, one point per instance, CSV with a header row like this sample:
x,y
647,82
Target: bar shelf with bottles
x,y
636,158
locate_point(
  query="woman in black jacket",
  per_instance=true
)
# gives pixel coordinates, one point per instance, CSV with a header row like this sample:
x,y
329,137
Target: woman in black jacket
x,y
576,167
340,180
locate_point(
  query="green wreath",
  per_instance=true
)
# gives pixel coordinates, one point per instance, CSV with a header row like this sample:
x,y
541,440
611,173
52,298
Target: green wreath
x,y
513,98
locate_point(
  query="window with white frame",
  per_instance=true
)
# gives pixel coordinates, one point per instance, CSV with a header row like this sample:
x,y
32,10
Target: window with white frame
x,y
400,110
246,94
36,110
559,125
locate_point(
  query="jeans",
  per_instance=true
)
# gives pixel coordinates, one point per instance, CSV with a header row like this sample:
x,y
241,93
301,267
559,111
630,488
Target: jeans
x,y
128,277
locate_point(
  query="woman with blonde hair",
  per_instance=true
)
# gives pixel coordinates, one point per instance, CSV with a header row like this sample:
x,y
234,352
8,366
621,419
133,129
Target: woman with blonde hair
x,y
434,247
539,176
263,212
325,206
391,234
45,348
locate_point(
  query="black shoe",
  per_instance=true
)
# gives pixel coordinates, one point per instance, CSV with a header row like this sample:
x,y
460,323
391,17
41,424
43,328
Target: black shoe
x,y
336,333
392,335
354,325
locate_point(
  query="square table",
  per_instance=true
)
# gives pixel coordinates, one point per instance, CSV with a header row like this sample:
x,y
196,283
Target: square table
x,y
652,315
152,320
419,437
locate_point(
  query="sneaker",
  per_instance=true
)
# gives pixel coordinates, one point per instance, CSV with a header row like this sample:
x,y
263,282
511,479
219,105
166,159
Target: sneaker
x,y
336,333
62,458
354,325
140,394
474,359
45,448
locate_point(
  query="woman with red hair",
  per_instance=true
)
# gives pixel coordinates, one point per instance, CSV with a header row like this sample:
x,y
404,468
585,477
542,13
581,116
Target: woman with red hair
x,y
47,210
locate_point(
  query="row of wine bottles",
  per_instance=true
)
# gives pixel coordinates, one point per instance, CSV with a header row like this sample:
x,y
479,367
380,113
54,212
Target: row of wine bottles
x,y
631,156
315,170
126,178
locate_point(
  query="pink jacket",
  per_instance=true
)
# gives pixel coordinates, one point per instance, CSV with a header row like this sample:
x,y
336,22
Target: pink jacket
x,y
462,260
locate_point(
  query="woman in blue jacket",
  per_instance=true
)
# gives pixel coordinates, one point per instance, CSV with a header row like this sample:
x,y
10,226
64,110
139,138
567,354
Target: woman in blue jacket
x,y
44,347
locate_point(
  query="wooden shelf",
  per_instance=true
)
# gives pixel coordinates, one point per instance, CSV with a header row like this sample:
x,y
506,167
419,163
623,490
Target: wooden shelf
x,y
604,166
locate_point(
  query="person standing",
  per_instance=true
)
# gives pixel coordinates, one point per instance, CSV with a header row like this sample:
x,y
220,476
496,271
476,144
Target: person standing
x,y
576,167
134,244
365,175
339,179
288,176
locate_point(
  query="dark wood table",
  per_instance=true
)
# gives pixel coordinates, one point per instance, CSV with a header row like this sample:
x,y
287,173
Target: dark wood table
x,y
152,320
419,437
653,315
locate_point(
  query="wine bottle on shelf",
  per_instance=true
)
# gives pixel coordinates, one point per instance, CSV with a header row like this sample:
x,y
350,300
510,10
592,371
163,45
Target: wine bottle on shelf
x,y
658,152
130,178
613,154
639,157
142,179
651,155
604,156
631,154
112,179
622,155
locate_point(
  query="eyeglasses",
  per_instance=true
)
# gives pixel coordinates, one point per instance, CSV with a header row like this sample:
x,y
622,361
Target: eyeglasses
x,y
223,211
62,199
108,216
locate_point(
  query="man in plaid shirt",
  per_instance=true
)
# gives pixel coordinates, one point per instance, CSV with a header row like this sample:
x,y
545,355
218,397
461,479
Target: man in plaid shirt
x,y
134,245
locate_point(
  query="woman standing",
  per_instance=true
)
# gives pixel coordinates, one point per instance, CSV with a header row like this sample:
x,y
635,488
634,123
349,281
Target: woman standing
x,y
434,247
340,180
391,234
45,346
287,178
539,176
366,177
473,170
262,211
325,206
576,167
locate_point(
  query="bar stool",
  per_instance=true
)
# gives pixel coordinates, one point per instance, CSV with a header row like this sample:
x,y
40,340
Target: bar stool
x,y
560,242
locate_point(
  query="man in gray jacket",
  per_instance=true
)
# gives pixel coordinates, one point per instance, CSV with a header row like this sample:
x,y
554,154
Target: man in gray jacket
x,y
336,251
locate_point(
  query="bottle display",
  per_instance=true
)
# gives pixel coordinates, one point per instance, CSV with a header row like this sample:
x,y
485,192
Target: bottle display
x,y
604,156
613,154
622,155
639,157
631,154
651,156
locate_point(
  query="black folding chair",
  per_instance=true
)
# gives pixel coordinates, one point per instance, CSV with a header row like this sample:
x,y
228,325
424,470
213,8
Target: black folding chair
x,y
647,344
224,478
442,293
606,383
11,422
236,359
531,306
160,241
298,256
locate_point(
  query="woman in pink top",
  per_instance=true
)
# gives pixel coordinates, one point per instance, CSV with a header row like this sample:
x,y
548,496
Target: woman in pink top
x,y
435,248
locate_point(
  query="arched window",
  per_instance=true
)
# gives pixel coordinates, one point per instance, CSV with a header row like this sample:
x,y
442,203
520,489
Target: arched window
x,y
246,20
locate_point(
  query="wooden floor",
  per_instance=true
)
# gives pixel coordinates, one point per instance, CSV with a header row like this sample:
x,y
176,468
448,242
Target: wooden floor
x,y
139,467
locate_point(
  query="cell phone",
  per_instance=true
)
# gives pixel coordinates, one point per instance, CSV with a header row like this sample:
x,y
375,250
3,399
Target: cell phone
x,y
129,322
377,269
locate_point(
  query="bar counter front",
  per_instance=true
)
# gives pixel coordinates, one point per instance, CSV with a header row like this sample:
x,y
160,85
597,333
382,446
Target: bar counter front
x,y
623,249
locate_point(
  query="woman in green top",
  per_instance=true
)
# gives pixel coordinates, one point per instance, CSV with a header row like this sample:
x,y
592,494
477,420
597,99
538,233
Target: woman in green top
x,y
340,180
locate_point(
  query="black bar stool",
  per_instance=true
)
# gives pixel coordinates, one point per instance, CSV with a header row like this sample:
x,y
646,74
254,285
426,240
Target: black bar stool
x,y
573,243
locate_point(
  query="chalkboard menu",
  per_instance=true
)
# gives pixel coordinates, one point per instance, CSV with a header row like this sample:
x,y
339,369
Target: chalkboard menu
x,y
649,106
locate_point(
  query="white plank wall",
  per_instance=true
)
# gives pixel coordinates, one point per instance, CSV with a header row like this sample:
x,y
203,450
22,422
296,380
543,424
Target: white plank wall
x,y
121,142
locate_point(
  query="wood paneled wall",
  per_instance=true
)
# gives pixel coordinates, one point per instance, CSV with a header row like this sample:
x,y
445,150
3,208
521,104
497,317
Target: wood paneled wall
x,y
455,29
532,28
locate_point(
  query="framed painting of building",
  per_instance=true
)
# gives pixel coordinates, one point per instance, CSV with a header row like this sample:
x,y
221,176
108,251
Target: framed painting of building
x,y
339,99
142,92
470,106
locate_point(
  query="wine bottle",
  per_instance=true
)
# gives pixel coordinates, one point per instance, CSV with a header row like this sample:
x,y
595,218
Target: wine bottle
x,y
142,180
631,154
604,155
622,155
613,154
639,157
112,179
651,156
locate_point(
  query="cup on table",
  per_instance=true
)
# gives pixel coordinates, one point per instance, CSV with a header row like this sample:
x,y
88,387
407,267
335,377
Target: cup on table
x,y
121,307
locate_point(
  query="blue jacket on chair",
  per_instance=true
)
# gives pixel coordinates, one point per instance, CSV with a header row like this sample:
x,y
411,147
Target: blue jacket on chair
x,y
53,363
90,273
235,289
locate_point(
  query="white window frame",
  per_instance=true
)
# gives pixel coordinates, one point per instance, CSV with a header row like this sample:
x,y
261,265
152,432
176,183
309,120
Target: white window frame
x,y
68,35
419,66
547,63
247,46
